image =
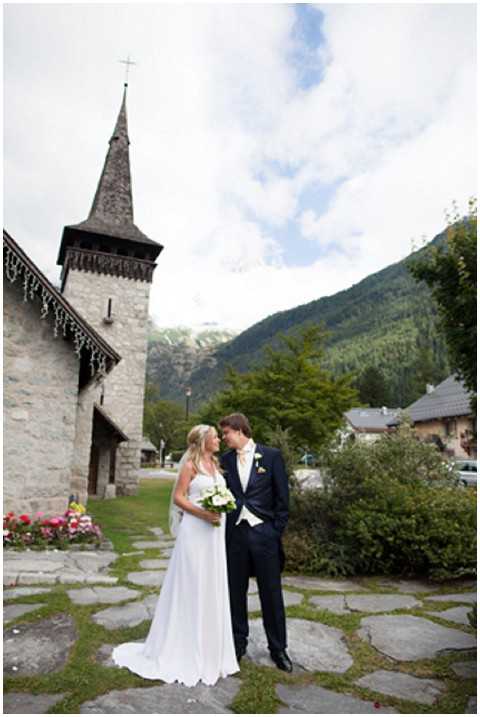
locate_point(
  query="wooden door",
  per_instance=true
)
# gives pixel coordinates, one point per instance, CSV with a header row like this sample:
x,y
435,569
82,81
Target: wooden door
x,y
93,470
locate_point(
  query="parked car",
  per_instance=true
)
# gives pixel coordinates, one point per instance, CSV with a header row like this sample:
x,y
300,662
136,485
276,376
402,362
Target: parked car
x,y
467,472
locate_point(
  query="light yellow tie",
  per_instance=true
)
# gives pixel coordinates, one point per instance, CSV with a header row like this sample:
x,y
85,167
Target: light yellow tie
x,y
242,457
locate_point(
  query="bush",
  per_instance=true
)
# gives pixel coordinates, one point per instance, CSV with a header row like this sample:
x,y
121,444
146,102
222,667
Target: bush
x,y
387,508
73,527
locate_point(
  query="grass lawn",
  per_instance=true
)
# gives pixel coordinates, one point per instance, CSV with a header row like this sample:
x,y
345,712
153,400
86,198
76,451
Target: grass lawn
x,y
125,519
133,515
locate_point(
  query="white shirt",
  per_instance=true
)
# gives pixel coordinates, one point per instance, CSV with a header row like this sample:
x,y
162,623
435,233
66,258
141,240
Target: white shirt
x,y
244,473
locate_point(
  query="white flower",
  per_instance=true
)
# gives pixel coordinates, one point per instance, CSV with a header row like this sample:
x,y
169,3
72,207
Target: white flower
x,y
258,456
219,500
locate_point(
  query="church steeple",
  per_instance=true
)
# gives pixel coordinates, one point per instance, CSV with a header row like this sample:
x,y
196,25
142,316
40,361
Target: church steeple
x,y
113,203
109,228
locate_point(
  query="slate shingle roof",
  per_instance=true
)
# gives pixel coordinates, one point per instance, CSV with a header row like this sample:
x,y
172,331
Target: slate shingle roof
x,y
370,419
448,399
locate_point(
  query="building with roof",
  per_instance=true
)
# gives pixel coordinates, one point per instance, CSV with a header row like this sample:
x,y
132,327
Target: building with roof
x,y
149,453
368,424
444,416
75,359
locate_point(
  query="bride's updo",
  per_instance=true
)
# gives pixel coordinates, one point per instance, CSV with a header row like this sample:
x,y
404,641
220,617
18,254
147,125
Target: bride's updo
x,y
196,440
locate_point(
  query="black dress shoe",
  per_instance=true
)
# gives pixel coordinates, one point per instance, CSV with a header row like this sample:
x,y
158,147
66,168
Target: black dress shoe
x,y
282,661
240,652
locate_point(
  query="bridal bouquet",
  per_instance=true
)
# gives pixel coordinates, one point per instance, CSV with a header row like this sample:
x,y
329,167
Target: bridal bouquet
x,y
218,500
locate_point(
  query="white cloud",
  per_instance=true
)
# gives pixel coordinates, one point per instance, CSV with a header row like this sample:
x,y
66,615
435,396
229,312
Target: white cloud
x,y
216,117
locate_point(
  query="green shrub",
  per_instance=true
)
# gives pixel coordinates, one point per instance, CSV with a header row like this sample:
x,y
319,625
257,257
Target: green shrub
x,y
387,508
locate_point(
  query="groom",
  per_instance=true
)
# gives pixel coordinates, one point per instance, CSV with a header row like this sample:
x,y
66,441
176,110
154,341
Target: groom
x,y
256,476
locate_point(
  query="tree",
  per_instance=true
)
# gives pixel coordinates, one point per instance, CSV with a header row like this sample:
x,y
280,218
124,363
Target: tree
x,y
372,388
165,420
450,271
290,390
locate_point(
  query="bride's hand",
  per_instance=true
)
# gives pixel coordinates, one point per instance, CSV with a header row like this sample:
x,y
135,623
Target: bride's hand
x,y
211,517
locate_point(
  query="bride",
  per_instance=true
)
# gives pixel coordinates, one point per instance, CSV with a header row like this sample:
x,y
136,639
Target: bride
x,y
190,638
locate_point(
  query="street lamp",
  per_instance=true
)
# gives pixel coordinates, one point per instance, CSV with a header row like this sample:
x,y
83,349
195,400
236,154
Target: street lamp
x,y
188,393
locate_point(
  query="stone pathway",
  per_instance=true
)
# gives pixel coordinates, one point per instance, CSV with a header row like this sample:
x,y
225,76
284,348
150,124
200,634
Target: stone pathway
x,y
31,567
387,611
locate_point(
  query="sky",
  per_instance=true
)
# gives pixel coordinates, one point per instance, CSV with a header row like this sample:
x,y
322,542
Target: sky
x,y
279,153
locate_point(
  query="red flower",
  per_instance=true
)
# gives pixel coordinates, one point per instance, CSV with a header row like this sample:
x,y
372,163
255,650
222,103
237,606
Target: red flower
x,y
25,519
377,705
73,523
54,522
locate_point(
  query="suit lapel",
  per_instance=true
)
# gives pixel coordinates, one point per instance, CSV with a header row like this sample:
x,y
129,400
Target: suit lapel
x,y
233,470
253,470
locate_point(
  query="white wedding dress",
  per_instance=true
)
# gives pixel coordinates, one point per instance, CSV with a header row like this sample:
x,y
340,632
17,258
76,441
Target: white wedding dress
x,y
190,638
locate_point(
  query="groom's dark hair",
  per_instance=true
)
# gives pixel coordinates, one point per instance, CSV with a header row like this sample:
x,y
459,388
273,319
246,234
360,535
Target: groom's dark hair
x,y
238,422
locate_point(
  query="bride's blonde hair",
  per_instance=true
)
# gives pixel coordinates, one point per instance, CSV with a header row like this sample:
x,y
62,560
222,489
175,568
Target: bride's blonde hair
x,y
196,440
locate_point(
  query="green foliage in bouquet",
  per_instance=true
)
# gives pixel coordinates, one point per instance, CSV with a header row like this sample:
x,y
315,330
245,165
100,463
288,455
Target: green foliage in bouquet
x,y
388,508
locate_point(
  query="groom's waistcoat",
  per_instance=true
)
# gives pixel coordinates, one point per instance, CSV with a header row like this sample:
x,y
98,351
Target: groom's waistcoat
x,y
266,495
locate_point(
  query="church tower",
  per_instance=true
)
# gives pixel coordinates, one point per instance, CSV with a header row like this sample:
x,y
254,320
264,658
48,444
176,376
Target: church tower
x,y
107,268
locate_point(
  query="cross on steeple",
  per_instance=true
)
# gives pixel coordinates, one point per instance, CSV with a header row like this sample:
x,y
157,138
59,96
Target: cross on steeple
x,y
127,62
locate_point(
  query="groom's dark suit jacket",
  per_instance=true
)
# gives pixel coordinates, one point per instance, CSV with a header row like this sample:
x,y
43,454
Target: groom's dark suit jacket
x,y
267,490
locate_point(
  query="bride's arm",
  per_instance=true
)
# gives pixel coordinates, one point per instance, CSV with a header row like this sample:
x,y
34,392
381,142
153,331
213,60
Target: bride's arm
x,y
180,496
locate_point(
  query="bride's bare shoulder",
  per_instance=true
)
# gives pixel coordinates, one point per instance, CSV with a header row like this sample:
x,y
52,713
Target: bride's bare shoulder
x,y
189,468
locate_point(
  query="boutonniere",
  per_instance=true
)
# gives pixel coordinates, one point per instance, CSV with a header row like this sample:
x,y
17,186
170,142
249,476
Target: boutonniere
x,y
258,468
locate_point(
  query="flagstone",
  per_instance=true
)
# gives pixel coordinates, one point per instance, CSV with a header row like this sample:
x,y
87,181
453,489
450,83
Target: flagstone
x,y
455,597
467,670
11,612
167,699
38,648
407,637
157,531
103,579
152,578
35,578
332,603
147,544
289,598
311,646
28,565
406,687
154,564
90,596
104,655
23,592
409,586
17,703
313,699
128,615
454,614
323,584
380,602
471,708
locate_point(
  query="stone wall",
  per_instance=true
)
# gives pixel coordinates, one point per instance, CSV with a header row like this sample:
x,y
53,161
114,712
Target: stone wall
x,y
40,398
125,386
83,440
449,430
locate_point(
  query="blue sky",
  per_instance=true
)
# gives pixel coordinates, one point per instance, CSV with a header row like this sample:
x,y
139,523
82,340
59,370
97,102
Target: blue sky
x,y
279,152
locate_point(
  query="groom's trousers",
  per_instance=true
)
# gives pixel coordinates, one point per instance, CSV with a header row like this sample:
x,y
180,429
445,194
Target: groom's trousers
x,y
256,551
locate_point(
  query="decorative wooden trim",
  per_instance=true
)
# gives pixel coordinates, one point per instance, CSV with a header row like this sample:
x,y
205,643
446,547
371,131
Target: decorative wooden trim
x,y
17,266
103,263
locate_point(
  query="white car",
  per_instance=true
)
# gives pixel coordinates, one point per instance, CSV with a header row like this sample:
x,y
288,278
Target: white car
x,y
467,472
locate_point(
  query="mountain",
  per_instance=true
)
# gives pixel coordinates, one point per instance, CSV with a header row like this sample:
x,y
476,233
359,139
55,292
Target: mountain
x,y
387,320
174,353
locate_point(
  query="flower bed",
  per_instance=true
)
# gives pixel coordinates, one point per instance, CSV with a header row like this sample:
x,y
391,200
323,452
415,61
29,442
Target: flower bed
x,y
71,528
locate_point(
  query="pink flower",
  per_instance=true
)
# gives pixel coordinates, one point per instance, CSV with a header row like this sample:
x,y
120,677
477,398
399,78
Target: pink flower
x,y
54,522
